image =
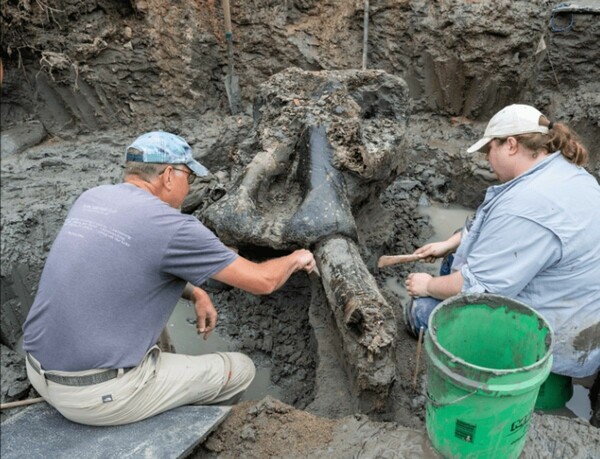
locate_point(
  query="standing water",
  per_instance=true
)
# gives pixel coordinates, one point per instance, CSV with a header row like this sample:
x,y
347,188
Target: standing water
x,y
182,328
444,221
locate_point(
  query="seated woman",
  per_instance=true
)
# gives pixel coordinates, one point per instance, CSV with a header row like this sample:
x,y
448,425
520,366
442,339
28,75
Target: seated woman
x,y
535,238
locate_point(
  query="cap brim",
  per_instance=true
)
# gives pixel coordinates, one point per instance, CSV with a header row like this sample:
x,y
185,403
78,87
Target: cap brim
x,y
479,144
197,168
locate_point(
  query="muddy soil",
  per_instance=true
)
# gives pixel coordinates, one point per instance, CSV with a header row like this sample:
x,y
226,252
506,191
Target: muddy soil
x,y
82,79
271,428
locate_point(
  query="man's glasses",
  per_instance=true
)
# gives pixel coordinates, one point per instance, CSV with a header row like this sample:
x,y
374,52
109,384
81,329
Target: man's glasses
x,y
190,178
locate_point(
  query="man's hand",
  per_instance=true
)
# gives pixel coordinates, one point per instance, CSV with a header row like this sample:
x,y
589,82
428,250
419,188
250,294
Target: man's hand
x,y
206,314
306,260
265,277
417,284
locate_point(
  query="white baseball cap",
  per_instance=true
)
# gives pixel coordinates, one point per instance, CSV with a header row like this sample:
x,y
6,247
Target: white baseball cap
x,y
512,120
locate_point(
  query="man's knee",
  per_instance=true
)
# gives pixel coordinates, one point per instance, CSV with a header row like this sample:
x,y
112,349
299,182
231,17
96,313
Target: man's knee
x,y
241,369
240,373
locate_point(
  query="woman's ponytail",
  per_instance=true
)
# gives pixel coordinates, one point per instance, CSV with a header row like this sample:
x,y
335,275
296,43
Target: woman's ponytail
x,y
567,141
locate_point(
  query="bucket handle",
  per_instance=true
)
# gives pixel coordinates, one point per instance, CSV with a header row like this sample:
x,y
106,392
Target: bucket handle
x,y
459,399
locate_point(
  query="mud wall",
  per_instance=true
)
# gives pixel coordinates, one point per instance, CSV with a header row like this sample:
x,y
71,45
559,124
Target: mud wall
x,y
94,65
89,64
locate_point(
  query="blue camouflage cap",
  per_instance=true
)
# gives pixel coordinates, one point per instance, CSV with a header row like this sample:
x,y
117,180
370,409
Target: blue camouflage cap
x,y
164,148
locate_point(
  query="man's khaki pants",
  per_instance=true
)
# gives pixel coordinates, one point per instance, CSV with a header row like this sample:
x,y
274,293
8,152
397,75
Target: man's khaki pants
x,y
162,381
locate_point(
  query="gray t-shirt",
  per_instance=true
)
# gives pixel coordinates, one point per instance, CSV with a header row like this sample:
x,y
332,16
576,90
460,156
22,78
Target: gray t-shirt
x,y
113,276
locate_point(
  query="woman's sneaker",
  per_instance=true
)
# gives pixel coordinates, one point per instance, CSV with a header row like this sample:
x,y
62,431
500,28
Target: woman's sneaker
x,y
416,313
407,313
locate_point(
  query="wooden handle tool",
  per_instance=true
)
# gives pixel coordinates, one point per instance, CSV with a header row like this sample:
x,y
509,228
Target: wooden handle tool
x,y
30,401
387,260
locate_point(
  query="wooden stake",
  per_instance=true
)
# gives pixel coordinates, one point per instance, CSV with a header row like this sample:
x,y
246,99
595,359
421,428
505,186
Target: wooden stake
x,y
365,35
30,401
418,357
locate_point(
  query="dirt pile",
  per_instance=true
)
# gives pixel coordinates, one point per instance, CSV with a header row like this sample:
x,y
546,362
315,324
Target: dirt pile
x,y
270,428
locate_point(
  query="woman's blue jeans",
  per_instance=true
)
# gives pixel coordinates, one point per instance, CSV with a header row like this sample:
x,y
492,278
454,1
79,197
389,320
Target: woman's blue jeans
x,y
422,307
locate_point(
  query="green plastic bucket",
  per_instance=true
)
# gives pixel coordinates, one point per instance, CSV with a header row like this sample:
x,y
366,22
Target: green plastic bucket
x,y
487,358
556,391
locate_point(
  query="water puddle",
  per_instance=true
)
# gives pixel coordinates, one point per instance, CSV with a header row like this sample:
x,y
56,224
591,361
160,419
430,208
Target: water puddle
x,y
444,220
580,402
183,333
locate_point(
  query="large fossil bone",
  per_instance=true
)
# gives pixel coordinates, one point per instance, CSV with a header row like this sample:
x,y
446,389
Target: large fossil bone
x,y
327,143
365,319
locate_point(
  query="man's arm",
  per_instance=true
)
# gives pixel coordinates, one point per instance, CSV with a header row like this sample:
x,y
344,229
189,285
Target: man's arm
x,y
266,277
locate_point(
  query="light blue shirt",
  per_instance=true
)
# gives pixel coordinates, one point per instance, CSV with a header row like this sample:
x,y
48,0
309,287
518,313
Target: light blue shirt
x,y
536,238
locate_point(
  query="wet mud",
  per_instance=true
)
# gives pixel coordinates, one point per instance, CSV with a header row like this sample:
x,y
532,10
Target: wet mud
x,y
71,104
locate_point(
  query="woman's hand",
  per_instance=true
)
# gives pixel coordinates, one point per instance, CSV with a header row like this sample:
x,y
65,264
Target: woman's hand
x,y
429,252
417,284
